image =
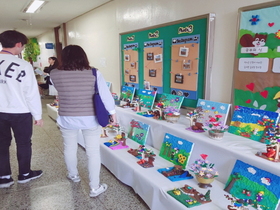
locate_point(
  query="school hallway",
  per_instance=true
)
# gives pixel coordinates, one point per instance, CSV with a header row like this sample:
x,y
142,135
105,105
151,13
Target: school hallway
x,y
53,191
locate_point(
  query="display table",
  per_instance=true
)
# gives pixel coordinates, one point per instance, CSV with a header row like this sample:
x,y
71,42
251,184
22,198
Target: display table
x,y
153,186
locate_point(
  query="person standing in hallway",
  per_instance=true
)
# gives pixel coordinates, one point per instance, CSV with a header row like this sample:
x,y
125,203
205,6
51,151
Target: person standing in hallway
x,y
74,82
47,70
20,100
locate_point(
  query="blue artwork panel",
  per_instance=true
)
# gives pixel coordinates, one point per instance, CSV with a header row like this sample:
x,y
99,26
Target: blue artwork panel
x,y
254,186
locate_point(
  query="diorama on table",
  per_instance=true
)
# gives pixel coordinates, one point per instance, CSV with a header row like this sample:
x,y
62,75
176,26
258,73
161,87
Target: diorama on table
x,y
171,114
177,151
146,156
119,141
192,116
138,131
251,123
272,141
147,97
189,196
204,171
254,186
127,94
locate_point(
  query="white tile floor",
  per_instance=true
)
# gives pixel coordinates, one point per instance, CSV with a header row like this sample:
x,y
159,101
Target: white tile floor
x,y
53,191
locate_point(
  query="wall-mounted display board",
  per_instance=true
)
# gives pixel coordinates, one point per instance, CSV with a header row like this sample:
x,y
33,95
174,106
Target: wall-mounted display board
x,y
257,67
171,58
130,59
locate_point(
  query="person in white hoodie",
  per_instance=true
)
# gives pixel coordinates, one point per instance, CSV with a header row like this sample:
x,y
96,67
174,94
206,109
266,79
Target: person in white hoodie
x,y
19,102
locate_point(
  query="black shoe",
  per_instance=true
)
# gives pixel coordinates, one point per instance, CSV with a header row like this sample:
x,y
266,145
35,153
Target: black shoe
x,y
32,175
4,183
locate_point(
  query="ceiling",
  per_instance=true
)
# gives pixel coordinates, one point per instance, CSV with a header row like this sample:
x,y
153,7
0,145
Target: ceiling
x,y
52,14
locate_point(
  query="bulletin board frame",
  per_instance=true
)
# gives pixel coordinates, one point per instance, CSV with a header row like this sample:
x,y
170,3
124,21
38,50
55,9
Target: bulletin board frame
x,y
203,26
255,82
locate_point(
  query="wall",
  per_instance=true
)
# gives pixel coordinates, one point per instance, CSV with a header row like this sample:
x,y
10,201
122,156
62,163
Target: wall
x,y
47,37
98,33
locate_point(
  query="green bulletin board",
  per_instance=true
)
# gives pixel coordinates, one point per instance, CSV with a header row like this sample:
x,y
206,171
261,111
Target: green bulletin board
x,y
170,58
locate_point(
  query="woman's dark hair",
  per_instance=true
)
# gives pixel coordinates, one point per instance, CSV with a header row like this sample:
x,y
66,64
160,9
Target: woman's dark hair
x,y
9,38
55,64
73,57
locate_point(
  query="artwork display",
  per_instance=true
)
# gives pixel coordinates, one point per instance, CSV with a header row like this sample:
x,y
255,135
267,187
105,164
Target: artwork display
x,y
210,109
176,150
153,65
171,100
147,98
254,186
130,64
189,196
176,173
250,123
138,131
257,75
146,156
119,142
127,93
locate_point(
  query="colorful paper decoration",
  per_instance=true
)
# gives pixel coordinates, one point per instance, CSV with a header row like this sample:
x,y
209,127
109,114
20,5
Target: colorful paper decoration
x,y
138,131
211,109
176,150
250,123
147,98
254,186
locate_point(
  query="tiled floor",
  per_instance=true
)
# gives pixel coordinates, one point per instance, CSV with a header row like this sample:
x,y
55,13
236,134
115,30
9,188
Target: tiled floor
x,y
53,191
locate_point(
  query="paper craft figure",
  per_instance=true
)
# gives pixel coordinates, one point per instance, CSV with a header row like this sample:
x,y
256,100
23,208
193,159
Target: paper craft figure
x,y
147,98
138,131
211,109
254,186
250,123
171,100
176,150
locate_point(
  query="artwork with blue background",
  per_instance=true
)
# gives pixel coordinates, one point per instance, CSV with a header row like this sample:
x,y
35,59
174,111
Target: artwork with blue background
x,y
127,92
138,131
250,123
176,150
147,98
248,182
212,108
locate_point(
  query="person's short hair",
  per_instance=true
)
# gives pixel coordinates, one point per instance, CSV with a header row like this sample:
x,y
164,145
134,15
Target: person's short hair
x,y
8,39
73,57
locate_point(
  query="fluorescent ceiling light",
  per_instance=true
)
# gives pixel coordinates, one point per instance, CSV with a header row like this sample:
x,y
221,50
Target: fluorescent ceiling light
x,y
34,6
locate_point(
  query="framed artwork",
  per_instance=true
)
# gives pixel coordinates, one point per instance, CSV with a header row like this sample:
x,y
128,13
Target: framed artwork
x,y
247,182
133,65
126,57
176,150
138,131
212,109
147,85
251,123
127,92
132,78
184,52
150,56
186,65
152,72
179,78
127,71
147,98
171,100
158,58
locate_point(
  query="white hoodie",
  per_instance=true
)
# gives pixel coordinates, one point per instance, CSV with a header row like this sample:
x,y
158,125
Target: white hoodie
x,y
18,87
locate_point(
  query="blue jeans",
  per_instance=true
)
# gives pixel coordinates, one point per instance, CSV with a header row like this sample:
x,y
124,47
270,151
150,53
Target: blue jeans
x,y
21,125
